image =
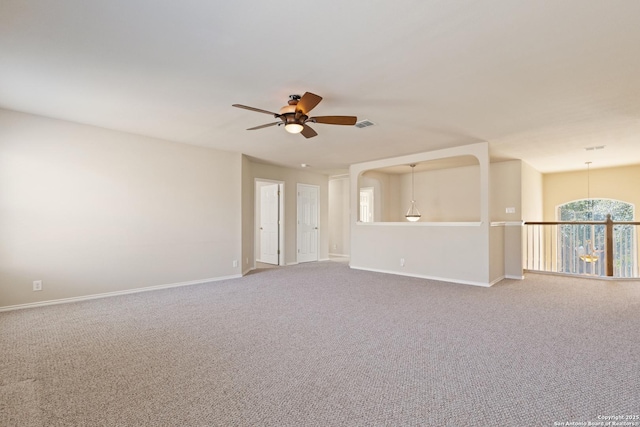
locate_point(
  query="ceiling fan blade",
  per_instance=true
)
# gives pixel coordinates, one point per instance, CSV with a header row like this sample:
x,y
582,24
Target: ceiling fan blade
x,y
254,109
335,120
264,126
307,103
307,132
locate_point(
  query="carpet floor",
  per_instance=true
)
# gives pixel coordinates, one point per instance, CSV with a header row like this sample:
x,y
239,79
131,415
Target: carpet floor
x,y
319,344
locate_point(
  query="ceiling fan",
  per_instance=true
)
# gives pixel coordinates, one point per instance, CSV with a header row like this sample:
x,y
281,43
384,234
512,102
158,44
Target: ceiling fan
x,y
295,115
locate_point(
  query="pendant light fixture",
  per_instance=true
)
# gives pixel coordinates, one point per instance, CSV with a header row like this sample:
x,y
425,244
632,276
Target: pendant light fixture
x,y
588,253
413,214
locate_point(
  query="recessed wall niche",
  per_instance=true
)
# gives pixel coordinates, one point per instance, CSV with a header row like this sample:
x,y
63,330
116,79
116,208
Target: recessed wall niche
x,y
446,190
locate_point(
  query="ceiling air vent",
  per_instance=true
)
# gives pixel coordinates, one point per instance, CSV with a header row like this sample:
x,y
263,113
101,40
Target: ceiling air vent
x,y
364,123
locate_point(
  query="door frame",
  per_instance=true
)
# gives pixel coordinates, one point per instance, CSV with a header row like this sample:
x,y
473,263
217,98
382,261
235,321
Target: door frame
x,y
256,218
317,188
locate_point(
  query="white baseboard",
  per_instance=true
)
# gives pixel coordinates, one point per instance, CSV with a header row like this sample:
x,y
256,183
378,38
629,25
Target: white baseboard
x,y
510,276
422,276
340,255
115,293
493,282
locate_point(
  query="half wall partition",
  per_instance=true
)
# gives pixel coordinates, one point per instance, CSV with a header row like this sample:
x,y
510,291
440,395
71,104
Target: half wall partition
x,y
451,242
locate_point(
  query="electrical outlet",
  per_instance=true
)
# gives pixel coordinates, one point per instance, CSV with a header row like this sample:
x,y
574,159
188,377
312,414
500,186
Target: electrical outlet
x,y
510,210
37,285
401,262
235,262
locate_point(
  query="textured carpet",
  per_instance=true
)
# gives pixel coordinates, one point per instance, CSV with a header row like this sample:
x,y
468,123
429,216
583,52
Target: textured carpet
x,y
321,345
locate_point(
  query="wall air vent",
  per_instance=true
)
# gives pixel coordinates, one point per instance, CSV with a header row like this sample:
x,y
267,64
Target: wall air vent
x,y
364,123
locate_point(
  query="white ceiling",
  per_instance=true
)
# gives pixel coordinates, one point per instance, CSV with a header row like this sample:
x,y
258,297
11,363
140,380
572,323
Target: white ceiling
x,y
539,80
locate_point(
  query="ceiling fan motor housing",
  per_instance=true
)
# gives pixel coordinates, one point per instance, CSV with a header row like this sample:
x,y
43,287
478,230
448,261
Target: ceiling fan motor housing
x,y
288,112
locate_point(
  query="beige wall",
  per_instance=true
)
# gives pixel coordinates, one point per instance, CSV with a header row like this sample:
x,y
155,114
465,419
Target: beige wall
x,y
532,194
292,177
619,183
497,252
247,216
506,232
451,194
339,216
90,211
506,190
386,191
514,184
441,195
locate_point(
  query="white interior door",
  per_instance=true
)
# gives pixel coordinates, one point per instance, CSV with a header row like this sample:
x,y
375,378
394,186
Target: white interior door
x,y
308,218
270,224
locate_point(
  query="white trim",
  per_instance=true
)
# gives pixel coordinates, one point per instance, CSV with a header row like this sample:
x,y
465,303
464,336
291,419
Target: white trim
x,y
419,223
339,255
507,224
421,276
281,214
582,276
323,259
509,276
340,176
292,263
299,185
499,279
115,293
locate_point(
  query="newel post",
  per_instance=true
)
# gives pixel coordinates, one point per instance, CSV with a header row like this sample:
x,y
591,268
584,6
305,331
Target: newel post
x,y
609,247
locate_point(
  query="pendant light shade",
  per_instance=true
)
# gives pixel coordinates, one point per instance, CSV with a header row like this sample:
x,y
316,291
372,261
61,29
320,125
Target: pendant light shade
x,y
413,214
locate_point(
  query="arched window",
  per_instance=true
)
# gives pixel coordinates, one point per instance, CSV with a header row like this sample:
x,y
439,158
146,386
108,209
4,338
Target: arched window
x,y
581,246
595,210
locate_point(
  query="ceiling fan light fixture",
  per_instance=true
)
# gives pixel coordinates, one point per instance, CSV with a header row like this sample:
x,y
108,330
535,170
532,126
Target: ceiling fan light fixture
x,y
293,127
288,109
295,115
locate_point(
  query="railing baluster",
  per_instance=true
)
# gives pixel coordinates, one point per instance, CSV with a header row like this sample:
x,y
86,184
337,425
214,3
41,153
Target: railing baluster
x,y
539,246
608,248
552,248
